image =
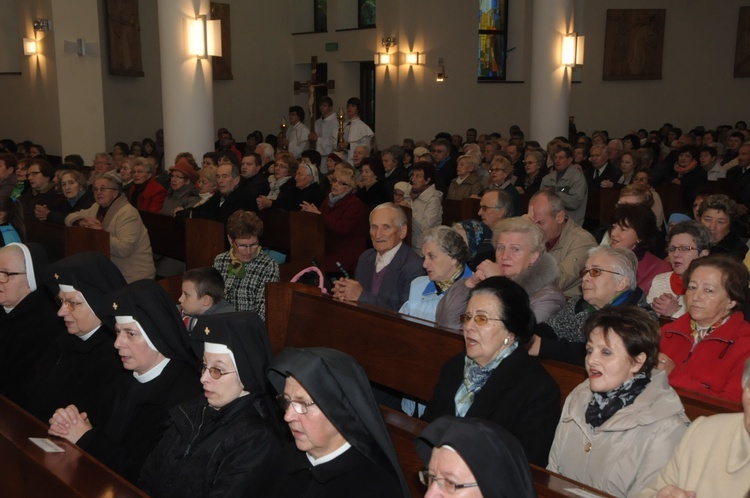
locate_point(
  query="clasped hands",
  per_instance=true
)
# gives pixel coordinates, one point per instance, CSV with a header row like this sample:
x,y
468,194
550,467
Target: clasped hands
x,y
69,423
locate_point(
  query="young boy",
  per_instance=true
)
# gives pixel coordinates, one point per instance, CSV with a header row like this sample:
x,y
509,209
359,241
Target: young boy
x,y
202,294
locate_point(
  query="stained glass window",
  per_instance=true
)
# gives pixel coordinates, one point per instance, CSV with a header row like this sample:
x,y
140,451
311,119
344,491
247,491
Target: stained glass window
x,y
493,37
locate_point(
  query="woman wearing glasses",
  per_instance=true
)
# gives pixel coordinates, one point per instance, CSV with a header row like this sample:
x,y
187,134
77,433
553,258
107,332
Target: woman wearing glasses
x,y
245,267
182,193
705,349
152,343
607,279
688,240
130,246
495,379
472,458
501,174
619,427
80,363
226,442
342,444
533,165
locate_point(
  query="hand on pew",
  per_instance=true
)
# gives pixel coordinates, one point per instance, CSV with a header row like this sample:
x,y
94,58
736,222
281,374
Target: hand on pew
x,y
346,289
309,208
69,423
674,492
91,223
263,202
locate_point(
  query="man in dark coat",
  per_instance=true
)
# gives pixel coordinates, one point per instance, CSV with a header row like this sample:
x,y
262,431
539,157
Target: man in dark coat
x,y
227,199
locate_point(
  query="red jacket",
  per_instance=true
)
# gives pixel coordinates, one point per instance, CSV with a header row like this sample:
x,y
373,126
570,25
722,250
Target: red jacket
x,y
346,232
152,198
714,366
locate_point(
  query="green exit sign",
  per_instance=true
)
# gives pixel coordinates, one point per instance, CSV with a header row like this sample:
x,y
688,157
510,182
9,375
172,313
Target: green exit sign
x,y
332,47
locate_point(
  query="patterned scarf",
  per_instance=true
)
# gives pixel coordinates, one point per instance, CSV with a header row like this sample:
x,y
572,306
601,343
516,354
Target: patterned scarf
x,y
699,333
603,405
444,285
681,170
236,267
475,377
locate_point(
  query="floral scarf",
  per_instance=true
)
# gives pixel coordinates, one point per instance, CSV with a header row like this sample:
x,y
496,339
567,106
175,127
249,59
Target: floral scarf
x,y
603,405
475,377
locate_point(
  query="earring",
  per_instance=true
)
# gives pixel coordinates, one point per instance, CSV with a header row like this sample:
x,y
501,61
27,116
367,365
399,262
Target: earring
x,y
506,341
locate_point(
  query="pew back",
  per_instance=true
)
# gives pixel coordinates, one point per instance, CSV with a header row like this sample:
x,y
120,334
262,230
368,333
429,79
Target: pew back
x,y
60,241
300,235
194,241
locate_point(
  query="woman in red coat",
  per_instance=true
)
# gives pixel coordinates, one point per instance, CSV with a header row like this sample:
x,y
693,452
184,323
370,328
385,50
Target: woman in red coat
x,y
146,194
345,220
705,350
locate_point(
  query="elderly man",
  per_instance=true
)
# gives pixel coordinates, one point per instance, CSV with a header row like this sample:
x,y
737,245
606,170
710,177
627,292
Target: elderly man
x,y
603,172
568,183
384,273
102,163
28,319
615,148
129,243
227,199
495,206
267,158
567,242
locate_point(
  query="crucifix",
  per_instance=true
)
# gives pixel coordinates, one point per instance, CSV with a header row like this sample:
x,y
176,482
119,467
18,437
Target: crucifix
x,y
310,86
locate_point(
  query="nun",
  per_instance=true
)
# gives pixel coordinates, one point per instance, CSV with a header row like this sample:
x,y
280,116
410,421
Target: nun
x,y
223,443
28,323
152,343
474,458
343,445
81,361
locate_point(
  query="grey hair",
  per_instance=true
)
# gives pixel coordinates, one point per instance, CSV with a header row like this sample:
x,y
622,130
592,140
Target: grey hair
x,y
449,242
267,150
625,263
469,159
400,214
520,225
113,178
696,230
555,202
536,155
142,161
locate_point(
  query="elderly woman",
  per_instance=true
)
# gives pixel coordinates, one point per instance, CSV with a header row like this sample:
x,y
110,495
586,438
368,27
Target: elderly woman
x,y
27,313
308,189
688,240
372,191
146,193
207,184
467,183
473,457
634,227
478,237
501,173
534,166
521,256
245,268
182,193
446,258
496,380
718,212
80,364
75,197
342,444
402,194
126,173
619,427
282,184
130,246
426,203
42,190
152,343
705,349
607,279
345,220
223,443
712,458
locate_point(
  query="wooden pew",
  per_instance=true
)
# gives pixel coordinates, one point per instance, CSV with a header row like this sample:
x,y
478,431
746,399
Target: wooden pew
x,y
671,198
455,211
388,344
26,470
300,235
194,241
61,241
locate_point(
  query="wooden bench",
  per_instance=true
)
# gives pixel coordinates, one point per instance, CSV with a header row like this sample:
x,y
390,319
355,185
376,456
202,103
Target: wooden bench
x,y
299,235
195,241
455,211
60,241
26,470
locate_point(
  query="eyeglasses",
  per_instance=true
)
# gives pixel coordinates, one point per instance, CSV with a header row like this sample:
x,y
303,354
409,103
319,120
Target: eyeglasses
x,y
299,406
102,189
492,170
33,173
595,272
343,184
681,248
480,320
68,304
245,247
485,208
5,275
444,484
181,177
214,372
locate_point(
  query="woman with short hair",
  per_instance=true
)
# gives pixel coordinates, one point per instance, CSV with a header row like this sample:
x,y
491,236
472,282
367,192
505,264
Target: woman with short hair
x,y
182,193
146,194
76,196
426,204
718,212
619,427
466,183
207,185
501,173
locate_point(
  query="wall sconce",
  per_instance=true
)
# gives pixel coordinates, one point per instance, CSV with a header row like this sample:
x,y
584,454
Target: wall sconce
x,y
30,47
572,50
441,71
413,58
382,59
204,37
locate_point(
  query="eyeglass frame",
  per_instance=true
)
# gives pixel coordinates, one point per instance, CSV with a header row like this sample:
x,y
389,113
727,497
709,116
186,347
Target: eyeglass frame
x,y
211,371
443,483
9,274
465,317
300,407
245,247
100,189
596,272
682,249
487,208
71,306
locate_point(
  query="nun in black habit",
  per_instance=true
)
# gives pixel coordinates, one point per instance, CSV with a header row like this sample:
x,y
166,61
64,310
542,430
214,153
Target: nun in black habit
x,y
82,361
225,442
28,323
481,457
346,450
152,343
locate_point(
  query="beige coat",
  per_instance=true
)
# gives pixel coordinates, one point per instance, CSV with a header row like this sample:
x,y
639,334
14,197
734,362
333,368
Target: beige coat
x,y
713,459
471,185
129,244
571,253
629,449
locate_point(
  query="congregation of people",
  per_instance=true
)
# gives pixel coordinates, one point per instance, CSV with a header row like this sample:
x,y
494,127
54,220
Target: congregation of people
x,y
186,398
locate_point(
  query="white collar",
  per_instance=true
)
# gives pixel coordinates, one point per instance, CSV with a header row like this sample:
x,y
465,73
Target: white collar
x,y
153,373
88,336
327,458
